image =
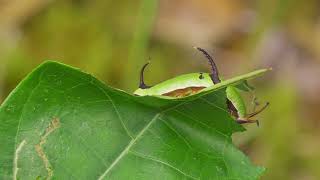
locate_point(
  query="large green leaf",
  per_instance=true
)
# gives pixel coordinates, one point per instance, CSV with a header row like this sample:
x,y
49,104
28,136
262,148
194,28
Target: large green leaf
x,y
61,123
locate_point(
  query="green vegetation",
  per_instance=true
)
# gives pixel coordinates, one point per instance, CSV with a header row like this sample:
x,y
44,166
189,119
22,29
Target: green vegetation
x,y
62,123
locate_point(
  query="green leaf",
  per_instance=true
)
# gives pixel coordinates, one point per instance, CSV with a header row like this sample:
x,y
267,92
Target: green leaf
x,y
245,86
62,123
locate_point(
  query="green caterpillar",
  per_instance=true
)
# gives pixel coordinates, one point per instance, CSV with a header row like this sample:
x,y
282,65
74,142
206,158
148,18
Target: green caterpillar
x,y
189,84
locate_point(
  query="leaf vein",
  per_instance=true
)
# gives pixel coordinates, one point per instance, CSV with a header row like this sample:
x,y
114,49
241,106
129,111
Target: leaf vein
x,y
213,105
127,148
116,110
176,132
199,122
162,162
20,119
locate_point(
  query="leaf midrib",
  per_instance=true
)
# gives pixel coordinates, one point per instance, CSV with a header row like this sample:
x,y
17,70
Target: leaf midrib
x,y
132,142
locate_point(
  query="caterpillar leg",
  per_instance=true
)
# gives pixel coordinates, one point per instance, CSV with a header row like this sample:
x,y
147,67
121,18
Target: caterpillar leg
x,y
259,111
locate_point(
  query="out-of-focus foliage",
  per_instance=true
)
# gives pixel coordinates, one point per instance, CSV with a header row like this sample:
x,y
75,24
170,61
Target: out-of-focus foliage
x,y
113,39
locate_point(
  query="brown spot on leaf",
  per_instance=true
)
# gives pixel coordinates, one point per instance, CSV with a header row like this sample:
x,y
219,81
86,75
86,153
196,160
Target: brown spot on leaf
x,y
54,124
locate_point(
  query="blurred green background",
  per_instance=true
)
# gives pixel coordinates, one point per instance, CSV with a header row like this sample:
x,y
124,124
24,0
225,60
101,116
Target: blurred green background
x,y
113,39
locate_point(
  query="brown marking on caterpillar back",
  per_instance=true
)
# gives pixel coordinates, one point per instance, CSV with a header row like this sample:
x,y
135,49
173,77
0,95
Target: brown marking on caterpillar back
x,y
184,92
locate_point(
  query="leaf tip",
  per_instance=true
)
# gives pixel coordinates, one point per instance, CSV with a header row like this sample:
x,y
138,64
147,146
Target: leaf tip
x,y
50,62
